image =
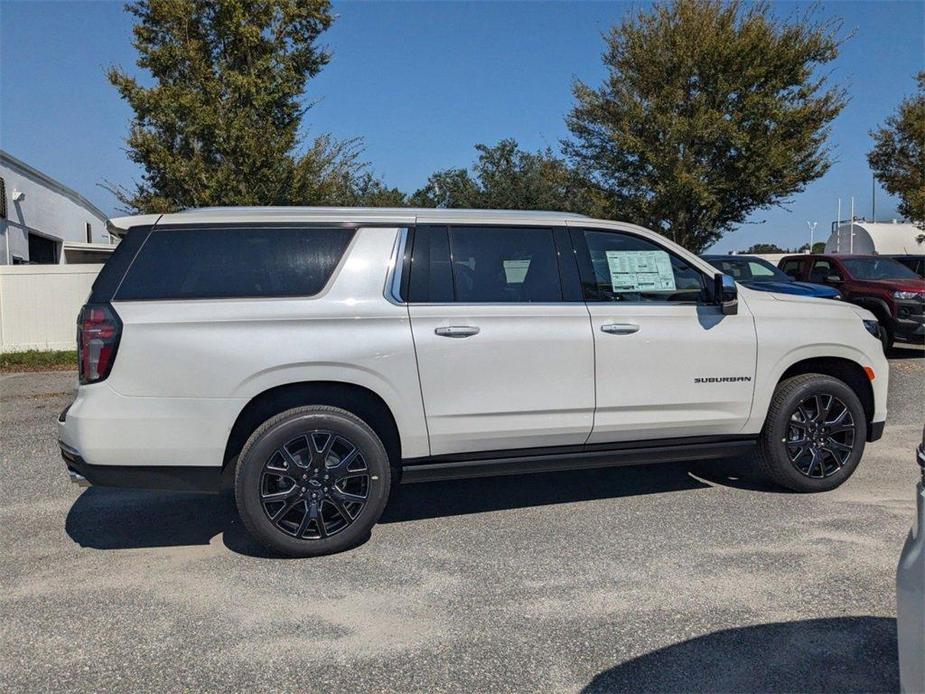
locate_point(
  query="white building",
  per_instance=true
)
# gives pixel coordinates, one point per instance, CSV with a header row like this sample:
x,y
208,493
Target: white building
x,y
44,222
897,238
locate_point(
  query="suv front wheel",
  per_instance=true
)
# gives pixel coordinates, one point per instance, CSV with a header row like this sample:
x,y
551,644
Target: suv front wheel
x,y
814,434
311,481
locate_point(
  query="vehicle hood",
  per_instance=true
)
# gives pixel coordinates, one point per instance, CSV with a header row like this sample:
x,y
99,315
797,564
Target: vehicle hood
x,y
913,285
797,288
829,305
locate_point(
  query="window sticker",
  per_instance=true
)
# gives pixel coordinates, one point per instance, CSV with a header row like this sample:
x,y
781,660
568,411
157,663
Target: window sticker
x,y
640,271
515,271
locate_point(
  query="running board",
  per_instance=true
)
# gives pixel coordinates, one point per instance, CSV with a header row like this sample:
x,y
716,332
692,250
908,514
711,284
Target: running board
x,y
575,460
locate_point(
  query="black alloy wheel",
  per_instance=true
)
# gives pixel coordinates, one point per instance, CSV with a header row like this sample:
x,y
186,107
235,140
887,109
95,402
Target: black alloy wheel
x,y
820,435
315,485
814,433
312,480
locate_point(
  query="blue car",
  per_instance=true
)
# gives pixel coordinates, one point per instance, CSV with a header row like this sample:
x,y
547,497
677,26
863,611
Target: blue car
x,y
757,273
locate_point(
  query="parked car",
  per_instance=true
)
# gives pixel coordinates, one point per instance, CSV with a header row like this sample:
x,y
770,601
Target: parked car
x,y
916,263
758,273
888,289
910,594
311,357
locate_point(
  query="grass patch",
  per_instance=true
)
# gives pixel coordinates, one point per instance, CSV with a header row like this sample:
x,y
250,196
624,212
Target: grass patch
x,y
35,360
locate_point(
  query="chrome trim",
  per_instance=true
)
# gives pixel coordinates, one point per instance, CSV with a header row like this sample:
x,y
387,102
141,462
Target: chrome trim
x,y
68,449
393,279
78,479
620,328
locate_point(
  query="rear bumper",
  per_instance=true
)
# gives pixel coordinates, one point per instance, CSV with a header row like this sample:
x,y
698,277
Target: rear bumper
x,y
186,479
109,429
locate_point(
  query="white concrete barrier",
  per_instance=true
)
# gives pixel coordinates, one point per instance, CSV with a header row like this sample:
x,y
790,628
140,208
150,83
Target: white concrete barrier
x,y
39,305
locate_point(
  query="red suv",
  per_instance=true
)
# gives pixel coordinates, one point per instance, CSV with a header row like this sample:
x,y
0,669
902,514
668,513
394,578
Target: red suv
x,y
888,289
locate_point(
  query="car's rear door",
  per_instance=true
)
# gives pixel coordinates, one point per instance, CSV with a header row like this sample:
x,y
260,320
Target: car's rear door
x,y
503,339
669,364
794,268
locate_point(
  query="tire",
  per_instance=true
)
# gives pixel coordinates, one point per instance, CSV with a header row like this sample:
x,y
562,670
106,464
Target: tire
x,y
312,481
821,464
887,336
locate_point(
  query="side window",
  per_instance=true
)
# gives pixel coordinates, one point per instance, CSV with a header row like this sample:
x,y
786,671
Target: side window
x,y
431,278
475,264
759,270
627,268
792,268
821,270
498,264
196,263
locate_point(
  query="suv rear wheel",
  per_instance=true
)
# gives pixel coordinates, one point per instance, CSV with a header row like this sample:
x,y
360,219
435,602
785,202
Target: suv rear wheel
x,y
814,434
311,481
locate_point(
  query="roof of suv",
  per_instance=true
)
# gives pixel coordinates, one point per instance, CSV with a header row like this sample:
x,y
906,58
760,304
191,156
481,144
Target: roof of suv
x,y
368,215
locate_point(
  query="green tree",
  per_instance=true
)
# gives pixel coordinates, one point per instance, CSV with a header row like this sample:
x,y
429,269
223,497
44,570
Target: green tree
x,y
508,178
898,156
818,247
765,248
710,110
219,123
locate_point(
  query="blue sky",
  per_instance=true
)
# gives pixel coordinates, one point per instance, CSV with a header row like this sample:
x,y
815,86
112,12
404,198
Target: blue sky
x,y
422,82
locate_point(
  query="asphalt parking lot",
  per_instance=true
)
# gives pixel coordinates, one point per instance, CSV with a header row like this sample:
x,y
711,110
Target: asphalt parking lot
x,y
660,578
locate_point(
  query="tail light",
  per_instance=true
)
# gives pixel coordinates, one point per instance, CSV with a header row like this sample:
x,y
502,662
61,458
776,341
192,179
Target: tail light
x,y
98,332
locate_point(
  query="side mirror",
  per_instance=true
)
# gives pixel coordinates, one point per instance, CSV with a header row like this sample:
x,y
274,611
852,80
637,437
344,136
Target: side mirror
x,y
834,279
725,294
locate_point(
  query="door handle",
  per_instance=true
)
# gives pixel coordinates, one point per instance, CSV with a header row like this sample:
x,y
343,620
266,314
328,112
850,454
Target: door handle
x,y
457,331
620,328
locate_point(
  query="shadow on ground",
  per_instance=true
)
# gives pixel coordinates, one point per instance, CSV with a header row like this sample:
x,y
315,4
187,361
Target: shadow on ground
x,y
844,654
902,351
104,518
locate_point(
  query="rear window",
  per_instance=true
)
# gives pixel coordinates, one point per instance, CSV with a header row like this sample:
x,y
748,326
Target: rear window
x,y
195,263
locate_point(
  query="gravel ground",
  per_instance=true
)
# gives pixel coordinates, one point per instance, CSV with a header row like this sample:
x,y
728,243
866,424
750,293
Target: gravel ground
x,y
661,578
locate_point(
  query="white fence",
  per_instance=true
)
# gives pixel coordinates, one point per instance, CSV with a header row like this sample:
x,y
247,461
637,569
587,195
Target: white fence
x,y
39,305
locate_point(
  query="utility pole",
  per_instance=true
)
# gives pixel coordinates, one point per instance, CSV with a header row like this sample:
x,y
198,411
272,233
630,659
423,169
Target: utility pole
x,y
812,232
838,228
851,237
873,199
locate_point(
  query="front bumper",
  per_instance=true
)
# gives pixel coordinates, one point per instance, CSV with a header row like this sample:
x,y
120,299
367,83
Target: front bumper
x,y
910,320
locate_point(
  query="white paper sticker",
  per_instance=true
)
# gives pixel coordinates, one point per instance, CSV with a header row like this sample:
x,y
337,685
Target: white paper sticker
x,y
515,271
640,271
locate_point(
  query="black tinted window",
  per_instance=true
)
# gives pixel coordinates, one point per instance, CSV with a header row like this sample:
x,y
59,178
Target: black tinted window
x,y
234,262
431,276
878,269
629,268
821,270
792,268
504,264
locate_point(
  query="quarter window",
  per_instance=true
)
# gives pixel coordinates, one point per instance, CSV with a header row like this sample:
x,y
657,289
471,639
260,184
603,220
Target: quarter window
x,y
195,263
629,269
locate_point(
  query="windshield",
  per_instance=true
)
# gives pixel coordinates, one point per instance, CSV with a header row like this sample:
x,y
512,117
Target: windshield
x,y
749,269
878,269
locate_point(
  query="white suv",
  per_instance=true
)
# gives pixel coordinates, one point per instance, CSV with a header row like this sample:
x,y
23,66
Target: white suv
x,y
313,357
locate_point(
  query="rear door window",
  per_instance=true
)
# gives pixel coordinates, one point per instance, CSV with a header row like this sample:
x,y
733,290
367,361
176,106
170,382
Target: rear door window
x,y
218,263
492,264
484,264
792,268
821,270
